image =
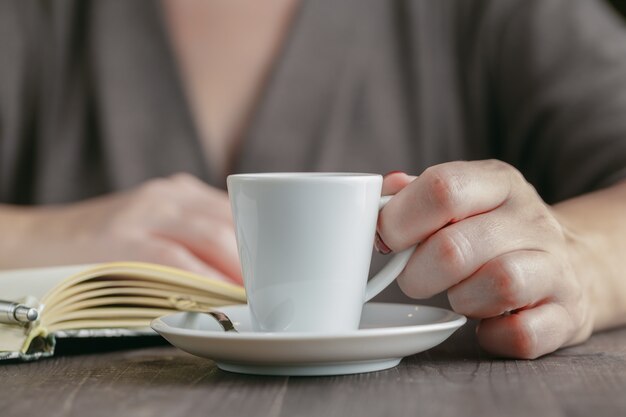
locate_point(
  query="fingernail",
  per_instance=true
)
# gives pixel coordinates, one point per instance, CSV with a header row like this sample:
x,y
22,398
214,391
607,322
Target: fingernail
x,y
393,172
380,246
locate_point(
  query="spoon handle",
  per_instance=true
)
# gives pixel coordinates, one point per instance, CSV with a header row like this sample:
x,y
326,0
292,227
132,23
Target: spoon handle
x,y
223,320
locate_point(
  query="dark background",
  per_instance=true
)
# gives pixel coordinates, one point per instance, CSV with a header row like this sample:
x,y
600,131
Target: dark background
x,y
620,5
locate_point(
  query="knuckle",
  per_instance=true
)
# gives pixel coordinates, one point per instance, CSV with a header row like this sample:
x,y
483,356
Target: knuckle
x,y
498,165
184,178
508,282
154,188
547,223
516,179
444,188
451,251
161,185
523,339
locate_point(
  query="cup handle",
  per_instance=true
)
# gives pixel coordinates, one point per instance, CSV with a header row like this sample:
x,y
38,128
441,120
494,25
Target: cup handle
x,y
390,272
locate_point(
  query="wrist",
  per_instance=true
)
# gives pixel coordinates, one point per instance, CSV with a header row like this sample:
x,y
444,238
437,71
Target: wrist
x,y
27,233
589,301
594,240
16,225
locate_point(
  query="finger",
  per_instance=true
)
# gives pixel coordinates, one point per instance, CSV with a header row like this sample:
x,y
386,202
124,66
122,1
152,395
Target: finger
x,y
211,241
509,282
200,197
526,334
171,254
189,181
460,249
444,194
394,181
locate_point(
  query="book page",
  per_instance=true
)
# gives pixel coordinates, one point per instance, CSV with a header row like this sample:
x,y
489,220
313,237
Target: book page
x,y
104,296
16,284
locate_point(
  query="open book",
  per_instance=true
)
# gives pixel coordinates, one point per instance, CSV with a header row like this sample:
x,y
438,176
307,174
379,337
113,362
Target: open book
x,y
118,298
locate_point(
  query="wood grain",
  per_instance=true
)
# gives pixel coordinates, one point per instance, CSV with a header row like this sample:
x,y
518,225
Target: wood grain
x,y
454,379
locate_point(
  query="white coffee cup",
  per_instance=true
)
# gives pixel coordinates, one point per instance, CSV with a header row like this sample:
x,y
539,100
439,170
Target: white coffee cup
x,y
305,245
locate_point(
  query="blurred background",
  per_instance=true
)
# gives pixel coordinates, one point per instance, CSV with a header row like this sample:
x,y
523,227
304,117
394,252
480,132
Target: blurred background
x,y
620,5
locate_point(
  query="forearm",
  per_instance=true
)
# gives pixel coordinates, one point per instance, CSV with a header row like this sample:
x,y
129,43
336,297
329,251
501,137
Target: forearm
x,y
15,226
595,228
34,236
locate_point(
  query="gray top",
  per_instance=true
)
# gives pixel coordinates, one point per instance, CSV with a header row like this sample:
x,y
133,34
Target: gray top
x,y
91,100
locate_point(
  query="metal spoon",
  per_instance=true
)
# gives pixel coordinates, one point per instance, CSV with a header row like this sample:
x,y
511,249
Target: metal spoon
x,y
222,320
185,303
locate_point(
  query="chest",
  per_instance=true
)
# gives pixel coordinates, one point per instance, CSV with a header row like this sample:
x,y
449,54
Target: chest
x,y
338,96
225,51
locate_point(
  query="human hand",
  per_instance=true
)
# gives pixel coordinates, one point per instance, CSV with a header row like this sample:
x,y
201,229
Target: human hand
x,y
177,221
487,238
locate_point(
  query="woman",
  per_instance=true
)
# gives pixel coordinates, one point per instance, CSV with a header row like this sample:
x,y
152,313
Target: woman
x,y
100,98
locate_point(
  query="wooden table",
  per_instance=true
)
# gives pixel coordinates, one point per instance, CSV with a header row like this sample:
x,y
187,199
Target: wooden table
x,y
454,379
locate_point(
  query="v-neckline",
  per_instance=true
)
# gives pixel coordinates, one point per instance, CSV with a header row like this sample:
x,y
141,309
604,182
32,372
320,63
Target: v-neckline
x,y
285,126
291,125
278,62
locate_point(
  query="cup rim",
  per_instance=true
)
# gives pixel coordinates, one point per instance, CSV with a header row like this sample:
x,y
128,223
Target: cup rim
x,y
300,176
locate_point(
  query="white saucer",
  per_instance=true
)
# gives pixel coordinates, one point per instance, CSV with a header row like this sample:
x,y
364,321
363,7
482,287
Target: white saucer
x,y
388,332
